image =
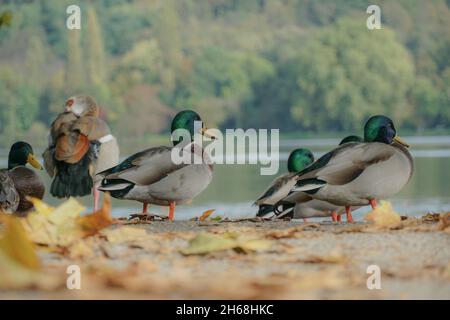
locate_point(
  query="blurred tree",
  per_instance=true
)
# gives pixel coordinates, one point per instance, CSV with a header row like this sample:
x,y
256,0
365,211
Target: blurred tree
x,y
95,55
75,69
346,73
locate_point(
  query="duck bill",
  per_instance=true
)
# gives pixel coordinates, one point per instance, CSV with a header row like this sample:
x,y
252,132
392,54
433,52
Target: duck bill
x,y
401,141
34,162
204,132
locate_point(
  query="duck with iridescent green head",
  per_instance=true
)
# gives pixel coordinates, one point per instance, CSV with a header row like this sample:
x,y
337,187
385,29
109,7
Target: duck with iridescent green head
x,y
360,173
300,205
19,182
280,187
152,177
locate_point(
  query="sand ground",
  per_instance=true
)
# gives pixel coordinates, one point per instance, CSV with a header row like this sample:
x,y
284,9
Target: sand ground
x,y
298,261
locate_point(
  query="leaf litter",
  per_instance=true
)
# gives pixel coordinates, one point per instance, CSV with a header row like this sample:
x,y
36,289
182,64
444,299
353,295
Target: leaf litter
x,y
207,258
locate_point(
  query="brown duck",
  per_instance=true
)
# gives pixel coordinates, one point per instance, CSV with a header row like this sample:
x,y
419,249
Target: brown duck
x,y
17,182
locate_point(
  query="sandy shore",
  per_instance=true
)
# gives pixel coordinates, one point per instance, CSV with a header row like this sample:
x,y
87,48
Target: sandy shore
x,y
299,261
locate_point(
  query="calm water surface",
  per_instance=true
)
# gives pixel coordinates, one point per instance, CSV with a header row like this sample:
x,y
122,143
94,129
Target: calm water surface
x,y
235,187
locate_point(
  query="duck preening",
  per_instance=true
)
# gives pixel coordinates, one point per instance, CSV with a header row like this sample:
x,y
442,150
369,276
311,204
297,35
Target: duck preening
x,y
19,182
151,177
360,173
80,146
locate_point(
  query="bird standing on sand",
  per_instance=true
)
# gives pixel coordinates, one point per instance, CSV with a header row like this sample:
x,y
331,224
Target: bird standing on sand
x,y
151,177
358,174
18,182
80,146
282,185
301,205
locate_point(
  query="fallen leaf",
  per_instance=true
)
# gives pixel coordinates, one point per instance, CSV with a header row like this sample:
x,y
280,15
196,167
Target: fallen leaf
x,y
125,234
63,226
431,217
19,263
16,244
206,214
93,223
205,243
384,216
40,206
444,222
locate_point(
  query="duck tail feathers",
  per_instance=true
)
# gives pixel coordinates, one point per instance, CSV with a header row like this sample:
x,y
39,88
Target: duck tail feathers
x,y
73,179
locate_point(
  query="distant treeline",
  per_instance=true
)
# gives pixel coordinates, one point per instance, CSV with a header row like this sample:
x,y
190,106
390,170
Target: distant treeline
x,y
297,65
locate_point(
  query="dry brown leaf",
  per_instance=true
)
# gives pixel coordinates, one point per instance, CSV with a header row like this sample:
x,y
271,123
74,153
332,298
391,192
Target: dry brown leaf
x,y
444,222
206,214
91,224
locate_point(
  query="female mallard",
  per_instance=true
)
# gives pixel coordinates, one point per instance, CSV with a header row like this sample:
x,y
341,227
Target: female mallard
x,y
358,174
80,146
17,182
152,177
282,185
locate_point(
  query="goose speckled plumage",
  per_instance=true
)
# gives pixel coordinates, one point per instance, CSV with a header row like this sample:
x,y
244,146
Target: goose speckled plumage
x,y
18,182
151,177
360,173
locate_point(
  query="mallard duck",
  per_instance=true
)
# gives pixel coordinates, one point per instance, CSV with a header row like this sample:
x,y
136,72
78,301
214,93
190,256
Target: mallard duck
x,y
300,205
357,174
152,177
17,182
282,185
80,146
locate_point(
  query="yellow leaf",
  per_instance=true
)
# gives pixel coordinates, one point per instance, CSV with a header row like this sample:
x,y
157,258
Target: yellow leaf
x,y
70,209
40,206
384,215
206,214
205,243
63,226
125,234
16,245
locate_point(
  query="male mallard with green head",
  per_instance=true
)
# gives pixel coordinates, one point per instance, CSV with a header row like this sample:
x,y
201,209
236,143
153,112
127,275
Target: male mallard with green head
x,y
282,185
18,182
152,177
300,205
358,174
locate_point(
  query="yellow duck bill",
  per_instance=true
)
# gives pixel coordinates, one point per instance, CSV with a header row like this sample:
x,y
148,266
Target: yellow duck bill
x,y
34,162
401,141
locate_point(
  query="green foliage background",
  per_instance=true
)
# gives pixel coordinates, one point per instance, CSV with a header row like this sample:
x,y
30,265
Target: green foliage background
x,y
300,65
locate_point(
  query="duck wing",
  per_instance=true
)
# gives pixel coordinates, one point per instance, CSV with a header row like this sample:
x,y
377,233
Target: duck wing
x,y
9,197
143,168
27,183
277,190
344,164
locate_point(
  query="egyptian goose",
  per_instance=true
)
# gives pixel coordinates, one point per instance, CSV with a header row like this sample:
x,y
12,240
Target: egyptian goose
x,y
80,146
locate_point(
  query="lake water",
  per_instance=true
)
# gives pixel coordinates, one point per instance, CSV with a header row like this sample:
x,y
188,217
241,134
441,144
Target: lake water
x,y
235,187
